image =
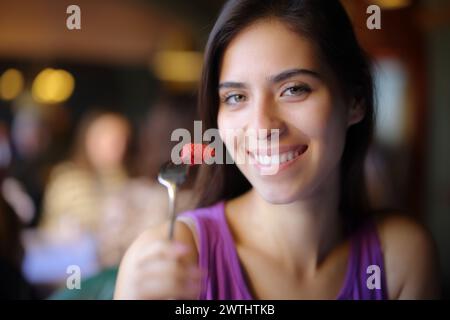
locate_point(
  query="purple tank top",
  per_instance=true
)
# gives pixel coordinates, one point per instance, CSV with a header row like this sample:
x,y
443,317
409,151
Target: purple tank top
x,y
225,280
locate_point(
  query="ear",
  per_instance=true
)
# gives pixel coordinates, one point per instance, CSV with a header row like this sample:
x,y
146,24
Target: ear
x,y
356,113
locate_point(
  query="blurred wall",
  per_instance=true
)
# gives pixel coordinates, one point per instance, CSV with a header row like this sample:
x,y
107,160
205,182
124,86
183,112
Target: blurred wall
x,y
438,166
113,31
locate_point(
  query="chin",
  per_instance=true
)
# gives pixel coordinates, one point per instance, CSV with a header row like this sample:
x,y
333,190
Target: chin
x,y
276,195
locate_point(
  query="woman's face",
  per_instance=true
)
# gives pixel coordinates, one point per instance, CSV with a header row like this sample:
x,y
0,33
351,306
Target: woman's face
x,y
271,78
106,142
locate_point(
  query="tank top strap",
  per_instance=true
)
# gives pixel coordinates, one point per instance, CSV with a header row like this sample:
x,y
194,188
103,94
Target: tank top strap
x,y
218,257
367,277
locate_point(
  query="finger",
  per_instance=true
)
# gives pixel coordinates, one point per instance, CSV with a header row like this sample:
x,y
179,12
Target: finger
x,y
168,289
161,250
168,276
170,269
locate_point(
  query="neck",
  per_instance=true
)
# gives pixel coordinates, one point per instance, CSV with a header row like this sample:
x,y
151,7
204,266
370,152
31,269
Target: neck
x,y
299,234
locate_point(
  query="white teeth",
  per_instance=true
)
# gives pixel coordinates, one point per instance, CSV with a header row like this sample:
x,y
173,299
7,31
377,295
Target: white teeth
x,y
264,160
278,158
290,155
275,159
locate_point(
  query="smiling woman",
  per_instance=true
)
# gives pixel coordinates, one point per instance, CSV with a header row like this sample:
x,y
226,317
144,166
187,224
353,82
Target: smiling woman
x,y
307,231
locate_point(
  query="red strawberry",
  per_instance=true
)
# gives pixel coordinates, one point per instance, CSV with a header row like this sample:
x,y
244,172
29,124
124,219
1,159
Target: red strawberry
x,y
196,153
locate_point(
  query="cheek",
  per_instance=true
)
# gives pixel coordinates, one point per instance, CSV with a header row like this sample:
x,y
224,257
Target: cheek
x,y
230,124
313,117
332,129
232,120
227,133
231,127
320,118
323,123
223,126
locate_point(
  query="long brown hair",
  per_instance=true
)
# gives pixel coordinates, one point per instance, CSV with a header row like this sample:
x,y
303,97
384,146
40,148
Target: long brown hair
x,y
327,25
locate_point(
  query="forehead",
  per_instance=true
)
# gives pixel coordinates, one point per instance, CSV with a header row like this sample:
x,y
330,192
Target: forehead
x,y
108,124
264,48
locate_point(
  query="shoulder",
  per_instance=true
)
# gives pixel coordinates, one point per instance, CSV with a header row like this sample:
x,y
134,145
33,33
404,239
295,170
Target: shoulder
x,y
410,257
66,167
67,174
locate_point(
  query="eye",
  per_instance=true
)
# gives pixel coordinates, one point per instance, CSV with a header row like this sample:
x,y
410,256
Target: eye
x,y
233,99
296,90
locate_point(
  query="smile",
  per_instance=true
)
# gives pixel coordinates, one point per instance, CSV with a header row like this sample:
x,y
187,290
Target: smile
x,y
283,156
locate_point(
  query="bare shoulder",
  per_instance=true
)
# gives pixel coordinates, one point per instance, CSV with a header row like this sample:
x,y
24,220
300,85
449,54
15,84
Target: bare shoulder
x,y
410,256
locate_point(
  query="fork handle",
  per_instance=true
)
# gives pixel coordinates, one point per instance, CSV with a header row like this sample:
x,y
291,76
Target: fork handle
x,y
172,190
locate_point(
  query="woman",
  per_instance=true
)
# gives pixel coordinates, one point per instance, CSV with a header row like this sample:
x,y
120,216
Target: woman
x,y
142,203
78,187
306,231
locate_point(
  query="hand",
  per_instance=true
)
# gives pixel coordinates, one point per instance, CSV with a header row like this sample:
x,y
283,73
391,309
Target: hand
x,y
158,270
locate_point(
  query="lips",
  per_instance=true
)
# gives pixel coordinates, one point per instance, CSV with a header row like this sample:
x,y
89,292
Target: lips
x,y
278,157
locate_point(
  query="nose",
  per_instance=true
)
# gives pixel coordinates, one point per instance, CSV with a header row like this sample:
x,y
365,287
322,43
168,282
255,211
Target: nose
x,y
265,119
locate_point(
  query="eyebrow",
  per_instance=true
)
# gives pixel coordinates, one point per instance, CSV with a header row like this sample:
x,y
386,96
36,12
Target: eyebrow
x,y
292,73
285,75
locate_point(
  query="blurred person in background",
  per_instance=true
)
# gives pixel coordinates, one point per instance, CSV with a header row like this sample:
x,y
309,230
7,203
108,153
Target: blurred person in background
x,y
74,196
77,187
143,202
27,174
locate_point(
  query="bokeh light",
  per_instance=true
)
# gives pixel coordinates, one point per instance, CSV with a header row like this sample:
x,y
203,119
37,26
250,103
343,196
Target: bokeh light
x,y
11,84
178,66
53,86
392,4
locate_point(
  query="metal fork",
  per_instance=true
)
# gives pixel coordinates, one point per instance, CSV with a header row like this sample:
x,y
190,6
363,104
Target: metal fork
x,y
171,176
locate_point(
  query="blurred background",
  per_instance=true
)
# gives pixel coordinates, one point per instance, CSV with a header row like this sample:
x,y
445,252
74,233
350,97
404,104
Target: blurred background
x,y
86,117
